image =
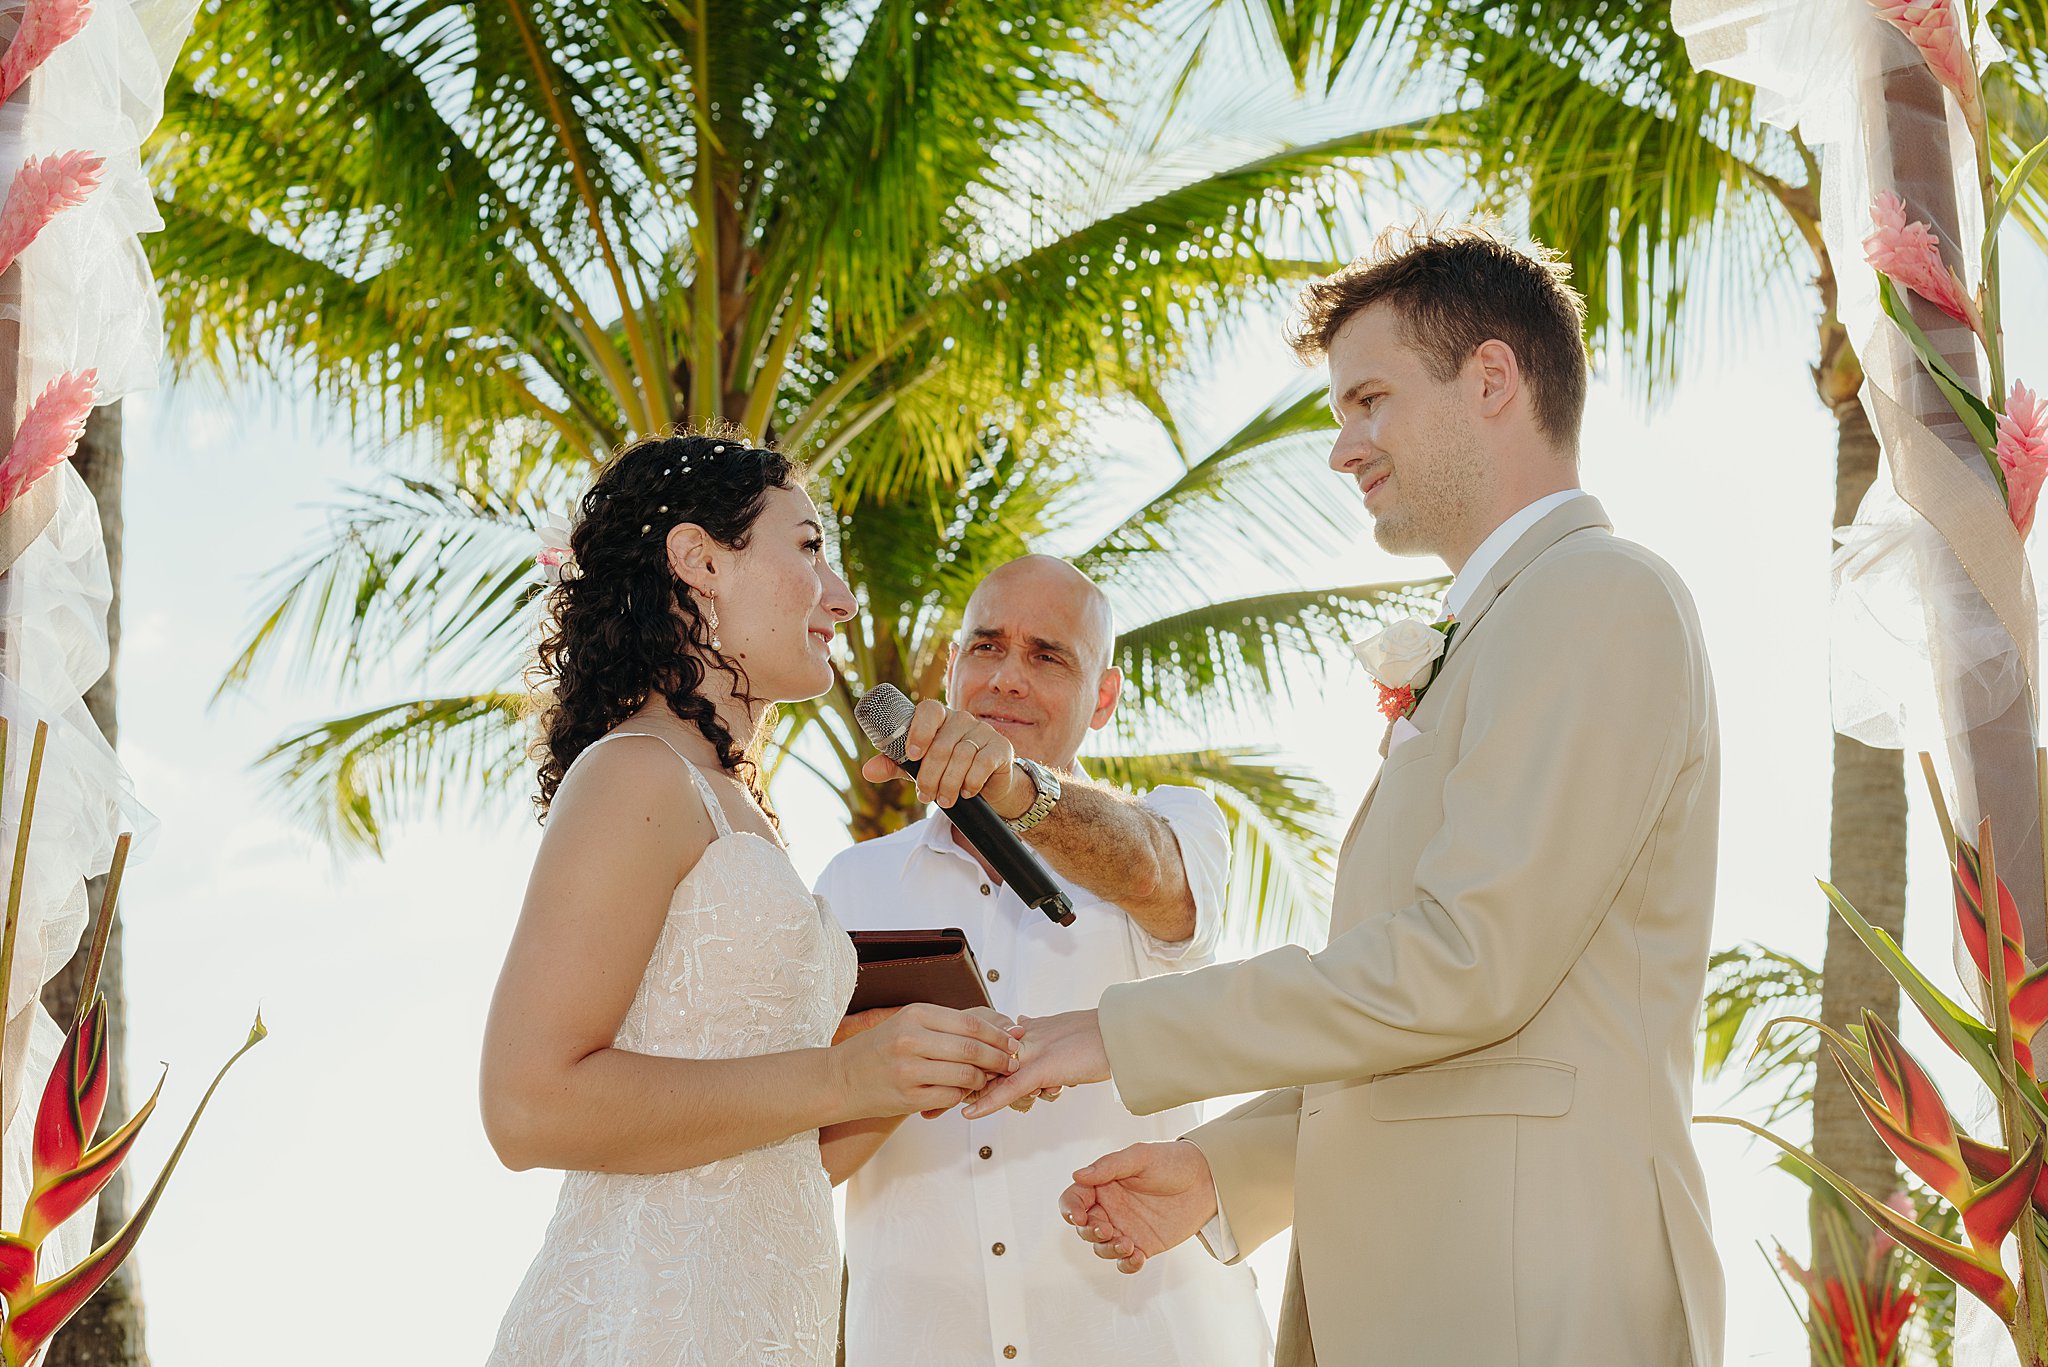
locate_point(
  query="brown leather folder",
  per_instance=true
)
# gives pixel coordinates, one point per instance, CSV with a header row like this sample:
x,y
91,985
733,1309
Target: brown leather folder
x,y
898,967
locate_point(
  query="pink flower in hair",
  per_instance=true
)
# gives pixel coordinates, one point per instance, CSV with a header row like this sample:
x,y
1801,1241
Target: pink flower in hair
x,y
49,434
1908,253
1936,30
2022,452
43,189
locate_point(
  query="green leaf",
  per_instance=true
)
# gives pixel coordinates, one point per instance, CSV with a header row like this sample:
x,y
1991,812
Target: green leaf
x,y
1979,1274
1974,412
1972,1040
2017,181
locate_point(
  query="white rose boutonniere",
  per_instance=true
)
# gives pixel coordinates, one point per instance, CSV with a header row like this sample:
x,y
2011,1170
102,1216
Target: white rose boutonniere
x,y
1403,661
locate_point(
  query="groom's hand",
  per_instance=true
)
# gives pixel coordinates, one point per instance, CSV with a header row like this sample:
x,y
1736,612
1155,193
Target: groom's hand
x,y
1138,1202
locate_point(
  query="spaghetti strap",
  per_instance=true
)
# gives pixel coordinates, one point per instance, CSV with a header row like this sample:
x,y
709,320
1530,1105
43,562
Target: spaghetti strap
x,y
697,779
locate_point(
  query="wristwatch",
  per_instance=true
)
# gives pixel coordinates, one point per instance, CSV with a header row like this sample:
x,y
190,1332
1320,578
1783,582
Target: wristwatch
x,y
1048,785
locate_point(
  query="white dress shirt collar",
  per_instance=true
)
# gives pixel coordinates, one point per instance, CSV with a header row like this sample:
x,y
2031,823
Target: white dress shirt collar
x,y
1496,545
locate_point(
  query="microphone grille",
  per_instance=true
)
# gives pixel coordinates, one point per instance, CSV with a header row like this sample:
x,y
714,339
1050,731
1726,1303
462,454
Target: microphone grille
x,y
884,716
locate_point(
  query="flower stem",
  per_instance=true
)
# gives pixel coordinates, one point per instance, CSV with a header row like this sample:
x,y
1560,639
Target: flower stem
x,y
14,889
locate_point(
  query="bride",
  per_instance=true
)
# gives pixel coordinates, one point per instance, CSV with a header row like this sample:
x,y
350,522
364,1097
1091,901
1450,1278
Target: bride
x,y
663,1026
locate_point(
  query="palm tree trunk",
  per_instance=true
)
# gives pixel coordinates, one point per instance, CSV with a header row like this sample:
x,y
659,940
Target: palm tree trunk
x,y
1866,857
108,1331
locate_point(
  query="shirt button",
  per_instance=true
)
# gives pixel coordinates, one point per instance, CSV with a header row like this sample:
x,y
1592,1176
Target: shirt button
x,y
987,1152
996,1249
1009,1350
995,975
984,889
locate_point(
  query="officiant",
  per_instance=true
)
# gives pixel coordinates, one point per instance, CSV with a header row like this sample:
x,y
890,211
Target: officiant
x,y
952,1253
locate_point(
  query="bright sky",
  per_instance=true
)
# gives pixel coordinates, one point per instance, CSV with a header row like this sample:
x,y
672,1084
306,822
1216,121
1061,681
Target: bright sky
x,y
340,1193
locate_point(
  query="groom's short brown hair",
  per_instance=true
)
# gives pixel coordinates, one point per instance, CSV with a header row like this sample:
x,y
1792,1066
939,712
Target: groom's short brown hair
x,y
1455,288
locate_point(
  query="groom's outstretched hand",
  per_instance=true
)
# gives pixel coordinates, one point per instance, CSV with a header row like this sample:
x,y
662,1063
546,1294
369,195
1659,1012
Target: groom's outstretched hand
x,y
1138,1202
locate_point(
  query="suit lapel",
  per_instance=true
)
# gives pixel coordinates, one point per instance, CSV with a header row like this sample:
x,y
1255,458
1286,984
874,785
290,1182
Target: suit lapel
x,y
1575,516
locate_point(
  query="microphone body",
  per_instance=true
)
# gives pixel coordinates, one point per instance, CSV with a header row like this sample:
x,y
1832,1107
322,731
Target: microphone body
x,y
884,714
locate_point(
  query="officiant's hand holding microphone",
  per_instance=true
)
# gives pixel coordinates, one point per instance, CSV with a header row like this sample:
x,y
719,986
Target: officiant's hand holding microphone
x,y
957,755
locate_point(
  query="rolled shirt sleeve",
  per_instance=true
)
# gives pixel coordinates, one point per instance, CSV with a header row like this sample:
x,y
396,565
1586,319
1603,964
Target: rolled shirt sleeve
x,y
1198,825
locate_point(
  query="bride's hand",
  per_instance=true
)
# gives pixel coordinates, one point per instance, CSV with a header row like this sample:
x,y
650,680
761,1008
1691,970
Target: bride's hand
x,y
860,1022
922,1058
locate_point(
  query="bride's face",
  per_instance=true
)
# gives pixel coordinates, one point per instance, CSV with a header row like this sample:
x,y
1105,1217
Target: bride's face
x,y
779,601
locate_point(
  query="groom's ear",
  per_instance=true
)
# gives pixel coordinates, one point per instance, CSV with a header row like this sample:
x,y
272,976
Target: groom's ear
x,y
1498,375
1108,689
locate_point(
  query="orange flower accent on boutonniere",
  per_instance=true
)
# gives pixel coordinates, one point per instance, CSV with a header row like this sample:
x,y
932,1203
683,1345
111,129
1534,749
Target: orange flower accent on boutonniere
x,y
1403,661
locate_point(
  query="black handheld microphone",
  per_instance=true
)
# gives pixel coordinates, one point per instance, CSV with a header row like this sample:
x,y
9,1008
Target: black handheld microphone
x,y
884,714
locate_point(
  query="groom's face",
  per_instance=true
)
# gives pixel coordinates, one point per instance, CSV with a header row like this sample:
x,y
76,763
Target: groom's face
x,y
1406,437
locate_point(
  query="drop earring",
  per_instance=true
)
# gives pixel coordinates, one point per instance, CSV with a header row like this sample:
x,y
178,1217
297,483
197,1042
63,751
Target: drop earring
x,y
711,619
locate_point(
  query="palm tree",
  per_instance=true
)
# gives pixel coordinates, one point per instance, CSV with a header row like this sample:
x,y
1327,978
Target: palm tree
x,y
1586,120
916,242
109,1329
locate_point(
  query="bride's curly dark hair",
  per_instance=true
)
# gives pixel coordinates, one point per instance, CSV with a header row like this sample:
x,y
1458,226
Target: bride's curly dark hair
x,y
622,627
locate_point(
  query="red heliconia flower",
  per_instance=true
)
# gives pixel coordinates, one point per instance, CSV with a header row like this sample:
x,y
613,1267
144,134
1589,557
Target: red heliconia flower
x,y
76,1095
1987,1161
1887,1305
37,1310
1908,1114
2027,994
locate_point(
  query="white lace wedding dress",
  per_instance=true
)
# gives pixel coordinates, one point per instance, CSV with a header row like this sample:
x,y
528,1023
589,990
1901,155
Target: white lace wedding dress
x,y
736,1261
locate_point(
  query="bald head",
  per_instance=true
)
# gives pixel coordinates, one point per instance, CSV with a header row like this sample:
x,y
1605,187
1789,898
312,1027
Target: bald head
x,y
1046,584
1033,658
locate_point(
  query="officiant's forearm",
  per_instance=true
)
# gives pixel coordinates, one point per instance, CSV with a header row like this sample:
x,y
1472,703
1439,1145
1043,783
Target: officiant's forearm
x,y
1122,852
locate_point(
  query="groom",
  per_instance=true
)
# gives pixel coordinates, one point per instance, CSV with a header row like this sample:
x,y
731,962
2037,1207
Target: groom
x,y
1480,1091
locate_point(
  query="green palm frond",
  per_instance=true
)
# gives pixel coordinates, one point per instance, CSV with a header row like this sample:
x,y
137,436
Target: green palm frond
x,y
1747,986
929,248
1592,127
2019,122
1232,511
1282,856
1116,295
1218,661
432,567
349,778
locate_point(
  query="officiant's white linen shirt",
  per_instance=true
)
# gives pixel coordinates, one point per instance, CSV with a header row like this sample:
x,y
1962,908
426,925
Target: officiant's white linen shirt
x,y
954,1241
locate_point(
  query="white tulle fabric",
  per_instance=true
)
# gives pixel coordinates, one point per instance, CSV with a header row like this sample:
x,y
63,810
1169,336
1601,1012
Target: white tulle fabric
x,y
1936,633
736,1261
85,300
1922,642
53,646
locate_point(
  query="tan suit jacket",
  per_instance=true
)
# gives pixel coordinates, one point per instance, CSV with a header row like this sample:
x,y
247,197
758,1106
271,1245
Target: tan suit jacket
x,y
1480,1128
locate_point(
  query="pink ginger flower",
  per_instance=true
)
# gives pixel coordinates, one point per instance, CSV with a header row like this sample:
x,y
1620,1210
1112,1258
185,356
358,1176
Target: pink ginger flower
x,y
1936,30
43,189
2022,453
45,25
1908,253
49,434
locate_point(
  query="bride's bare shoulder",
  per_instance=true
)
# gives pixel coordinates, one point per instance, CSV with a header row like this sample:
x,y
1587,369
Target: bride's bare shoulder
x,y
631,791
